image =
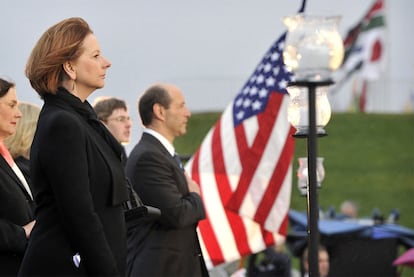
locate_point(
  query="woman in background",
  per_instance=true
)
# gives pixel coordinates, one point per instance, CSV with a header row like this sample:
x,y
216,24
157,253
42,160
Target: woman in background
x,y
20,142
78,179
16,202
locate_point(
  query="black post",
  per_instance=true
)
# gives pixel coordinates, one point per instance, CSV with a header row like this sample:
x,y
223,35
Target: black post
x,y
312,196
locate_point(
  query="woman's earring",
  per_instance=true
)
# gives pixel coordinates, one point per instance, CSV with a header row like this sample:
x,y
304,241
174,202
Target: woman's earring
x,y
74,86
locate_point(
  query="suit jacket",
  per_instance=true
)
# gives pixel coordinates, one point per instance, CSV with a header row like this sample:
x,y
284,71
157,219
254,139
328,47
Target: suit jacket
x,y
79,185
169,246
16,210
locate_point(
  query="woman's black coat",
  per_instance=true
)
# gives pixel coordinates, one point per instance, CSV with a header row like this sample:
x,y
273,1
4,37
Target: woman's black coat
x,y
16,210
79,186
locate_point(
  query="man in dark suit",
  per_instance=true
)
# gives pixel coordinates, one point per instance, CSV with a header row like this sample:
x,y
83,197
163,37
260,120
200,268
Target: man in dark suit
x,y
169,246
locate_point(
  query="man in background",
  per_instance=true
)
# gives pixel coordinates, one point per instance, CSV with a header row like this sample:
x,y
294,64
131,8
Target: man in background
x,y
169,246
113,113
349,209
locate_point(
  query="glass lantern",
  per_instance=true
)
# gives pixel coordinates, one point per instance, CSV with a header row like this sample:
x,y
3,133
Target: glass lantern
x,y
313,47
298,109
302,174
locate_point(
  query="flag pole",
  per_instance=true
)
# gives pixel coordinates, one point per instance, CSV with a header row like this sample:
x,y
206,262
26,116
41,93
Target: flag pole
x,y
312,189
312,200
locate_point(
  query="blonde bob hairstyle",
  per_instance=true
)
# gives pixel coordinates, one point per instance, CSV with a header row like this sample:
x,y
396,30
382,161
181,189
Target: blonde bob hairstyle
x,y
20,142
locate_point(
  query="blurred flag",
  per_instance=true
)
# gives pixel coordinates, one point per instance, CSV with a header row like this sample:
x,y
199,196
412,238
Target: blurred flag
x,y
365,44
244,167
364,54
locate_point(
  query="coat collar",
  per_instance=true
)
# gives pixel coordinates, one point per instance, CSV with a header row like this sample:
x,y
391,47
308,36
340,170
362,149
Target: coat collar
x,y
67,101
84,111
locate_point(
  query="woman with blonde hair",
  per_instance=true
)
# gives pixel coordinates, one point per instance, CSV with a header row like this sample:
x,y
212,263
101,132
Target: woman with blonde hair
x,y
20,142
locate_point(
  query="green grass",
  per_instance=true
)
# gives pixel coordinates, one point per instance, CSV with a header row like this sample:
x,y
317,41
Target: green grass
x,y
369,158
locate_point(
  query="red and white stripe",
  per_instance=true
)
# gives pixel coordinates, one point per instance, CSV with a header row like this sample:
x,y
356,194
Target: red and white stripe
x,y
245,177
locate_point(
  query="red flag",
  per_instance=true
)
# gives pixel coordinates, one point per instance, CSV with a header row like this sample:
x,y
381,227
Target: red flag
x,y
244,167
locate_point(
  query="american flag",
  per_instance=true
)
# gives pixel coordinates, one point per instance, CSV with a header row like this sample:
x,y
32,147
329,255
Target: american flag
x,y
244,167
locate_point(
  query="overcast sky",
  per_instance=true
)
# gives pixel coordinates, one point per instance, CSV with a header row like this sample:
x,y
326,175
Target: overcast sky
x,y
208,48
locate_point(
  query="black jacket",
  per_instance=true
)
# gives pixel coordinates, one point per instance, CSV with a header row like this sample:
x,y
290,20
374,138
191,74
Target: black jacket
x,y
79,186
170,246
16,210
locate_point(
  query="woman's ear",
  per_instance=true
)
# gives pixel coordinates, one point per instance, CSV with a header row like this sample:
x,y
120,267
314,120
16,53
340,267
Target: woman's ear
x,y
70,71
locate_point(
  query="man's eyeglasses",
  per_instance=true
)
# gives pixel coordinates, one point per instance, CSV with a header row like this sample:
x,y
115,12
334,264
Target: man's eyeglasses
x,y
121,118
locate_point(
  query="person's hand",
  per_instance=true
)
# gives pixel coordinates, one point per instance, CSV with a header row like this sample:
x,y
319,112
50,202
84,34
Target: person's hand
x,y
28,228
192,185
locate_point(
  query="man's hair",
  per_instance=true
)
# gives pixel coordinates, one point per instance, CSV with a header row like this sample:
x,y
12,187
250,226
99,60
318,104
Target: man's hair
x,y
156,94
350,208
104,108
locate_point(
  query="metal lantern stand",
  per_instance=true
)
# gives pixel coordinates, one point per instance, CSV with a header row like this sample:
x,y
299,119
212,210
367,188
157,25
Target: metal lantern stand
x,y
312,195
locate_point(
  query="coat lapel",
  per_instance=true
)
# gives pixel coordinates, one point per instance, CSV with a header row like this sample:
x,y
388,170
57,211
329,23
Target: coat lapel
x,y
9,171
156,145
119,191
